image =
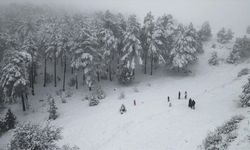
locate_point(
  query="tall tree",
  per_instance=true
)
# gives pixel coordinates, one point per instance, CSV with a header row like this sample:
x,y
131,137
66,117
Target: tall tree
x,y
184,51
14,79
147,33
132,50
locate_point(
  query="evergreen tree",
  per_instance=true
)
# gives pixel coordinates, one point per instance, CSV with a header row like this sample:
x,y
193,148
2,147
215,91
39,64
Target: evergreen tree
x,y
14,79
245,96
165,27
85,55
241,49
214,59
224,36
52,109
184,51
147,33
248,30
93,101
221,36
35,137
205,31
10,120
132,50
53,50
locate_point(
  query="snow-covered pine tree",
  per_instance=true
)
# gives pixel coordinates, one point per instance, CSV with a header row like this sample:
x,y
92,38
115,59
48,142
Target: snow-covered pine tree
x,y
221,36
35,137
233,57
153,42
248,30
147,33
93,101
29,45
109,43
229,35
205,31
14,79
213,60
132,51
166,28
52,109
52,50
197,43
224,36
85,54
241,49
245,96
184,51
10,120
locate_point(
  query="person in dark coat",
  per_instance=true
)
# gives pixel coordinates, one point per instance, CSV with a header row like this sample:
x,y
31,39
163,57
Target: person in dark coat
x,y
123,109
190,103
193,104
168,99
134,103
185,94
179,95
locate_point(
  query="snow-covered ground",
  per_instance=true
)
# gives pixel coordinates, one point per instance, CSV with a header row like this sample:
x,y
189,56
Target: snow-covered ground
x,y
151,124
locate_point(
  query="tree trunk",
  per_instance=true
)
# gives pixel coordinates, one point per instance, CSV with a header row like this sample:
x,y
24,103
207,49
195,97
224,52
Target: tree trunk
x,y
151,68
45,72
76,82
64,72
55,67
23,103
145,63
32,75
133,72
98,76
83,78
110,73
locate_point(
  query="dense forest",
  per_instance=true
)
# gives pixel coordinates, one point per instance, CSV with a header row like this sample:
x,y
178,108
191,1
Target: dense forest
x,y
93,46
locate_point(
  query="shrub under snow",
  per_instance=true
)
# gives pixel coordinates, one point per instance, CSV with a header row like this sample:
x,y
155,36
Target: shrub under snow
x,y
214,59
244,71
222,136
245,96
35,137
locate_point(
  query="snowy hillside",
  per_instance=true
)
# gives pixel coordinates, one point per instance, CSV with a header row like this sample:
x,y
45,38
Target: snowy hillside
x,y
72,79
151,124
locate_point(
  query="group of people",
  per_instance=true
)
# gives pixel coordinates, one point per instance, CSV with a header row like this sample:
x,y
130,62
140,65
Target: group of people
x,y
191,103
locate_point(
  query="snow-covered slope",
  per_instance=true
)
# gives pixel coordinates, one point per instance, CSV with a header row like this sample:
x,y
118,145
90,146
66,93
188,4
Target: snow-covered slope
x,y
151,124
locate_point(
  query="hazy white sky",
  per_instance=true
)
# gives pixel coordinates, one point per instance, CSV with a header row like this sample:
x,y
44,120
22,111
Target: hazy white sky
x,y
233,14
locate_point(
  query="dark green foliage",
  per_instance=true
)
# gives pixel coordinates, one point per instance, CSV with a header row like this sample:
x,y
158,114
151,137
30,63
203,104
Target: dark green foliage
x,y
93,101
126,76
205,31
243,72
10,120
224,36
222,136
245,96
35,137
214,59
52,109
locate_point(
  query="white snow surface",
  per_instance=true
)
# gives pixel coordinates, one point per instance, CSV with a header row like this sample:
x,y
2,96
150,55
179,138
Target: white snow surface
x,y
151,124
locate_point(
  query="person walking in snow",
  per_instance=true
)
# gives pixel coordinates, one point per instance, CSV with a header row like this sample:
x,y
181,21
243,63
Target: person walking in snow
x,y
134,103
190,103
179,95
185,94
123,109
193,104
168,99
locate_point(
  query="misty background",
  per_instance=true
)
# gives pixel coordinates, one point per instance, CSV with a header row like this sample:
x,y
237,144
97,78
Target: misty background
x,y
234,14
